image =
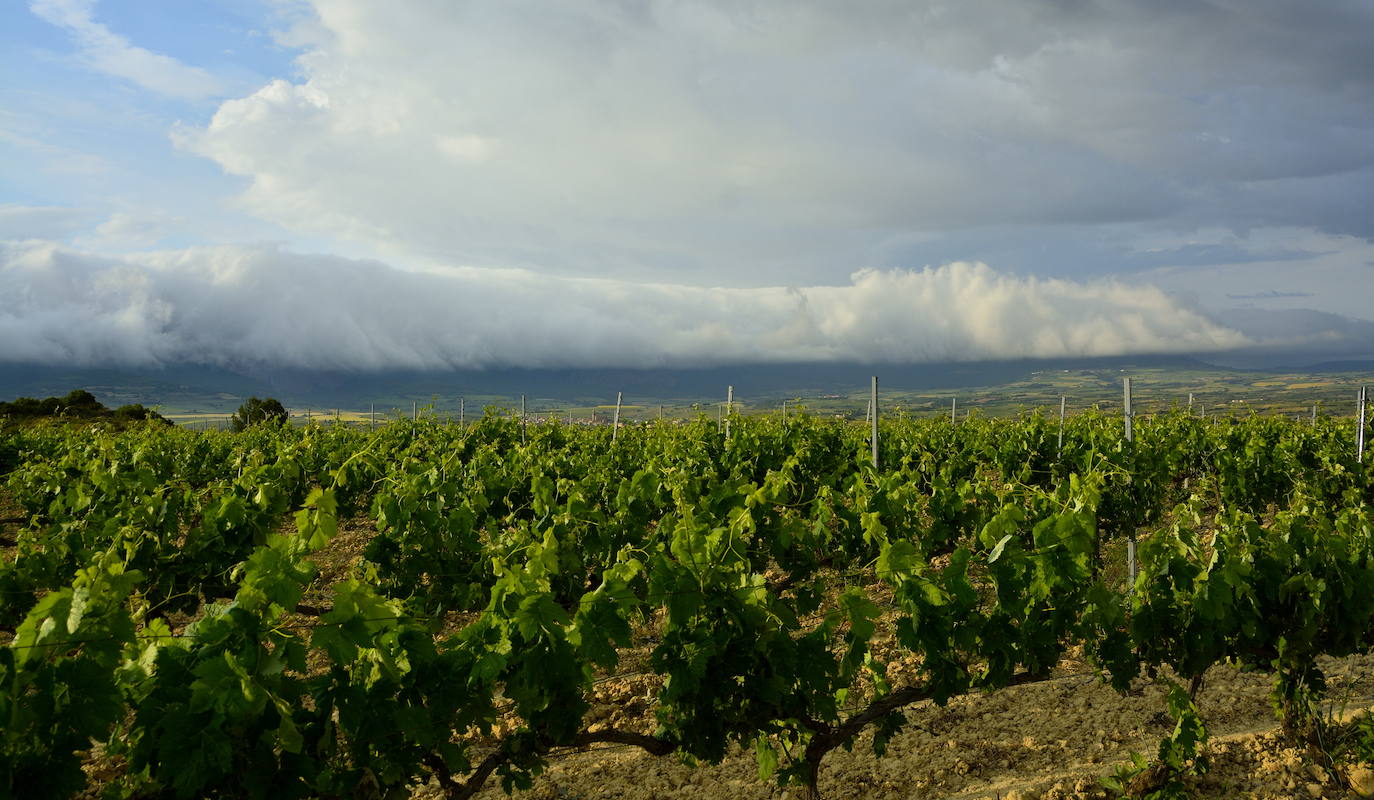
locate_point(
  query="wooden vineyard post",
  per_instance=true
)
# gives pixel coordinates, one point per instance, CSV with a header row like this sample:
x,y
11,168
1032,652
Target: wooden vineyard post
x,y
660,412
414,410
462,411
873,434
372,417
1314,415
1062,401
953,410
1190,403
522,419
615,421
1130,437
784,409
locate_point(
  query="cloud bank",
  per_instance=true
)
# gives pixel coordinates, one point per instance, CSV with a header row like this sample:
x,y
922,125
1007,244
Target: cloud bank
x,y
244,306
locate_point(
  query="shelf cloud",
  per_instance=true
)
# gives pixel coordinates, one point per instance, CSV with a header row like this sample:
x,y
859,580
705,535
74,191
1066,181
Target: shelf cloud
x,y
260,305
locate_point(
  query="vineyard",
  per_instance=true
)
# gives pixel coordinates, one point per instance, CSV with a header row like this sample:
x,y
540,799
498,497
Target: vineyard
x,y
183,604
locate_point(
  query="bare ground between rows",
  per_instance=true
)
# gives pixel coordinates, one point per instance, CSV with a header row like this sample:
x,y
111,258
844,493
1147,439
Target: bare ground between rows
x,y
1048,741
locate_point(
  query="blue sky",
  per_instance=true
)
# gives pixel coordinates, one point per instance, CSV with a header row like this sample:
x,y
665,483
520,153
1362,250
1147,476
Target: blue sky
x,y
1219,155
79,138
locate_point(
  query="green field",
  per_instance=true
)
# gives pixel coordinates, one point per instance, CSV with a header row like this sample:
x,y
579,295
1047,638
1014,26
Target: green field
x,y
1215,391
1218,391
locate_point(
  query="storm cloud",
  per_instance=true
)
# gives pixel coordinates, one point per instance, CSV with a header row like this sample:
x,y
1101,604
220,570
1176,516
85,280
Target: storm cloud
x,y
684,182
772,141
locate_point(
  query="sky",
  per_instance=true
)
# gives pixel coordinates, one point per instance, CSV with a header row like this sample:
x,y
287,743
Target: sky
x,y
348,184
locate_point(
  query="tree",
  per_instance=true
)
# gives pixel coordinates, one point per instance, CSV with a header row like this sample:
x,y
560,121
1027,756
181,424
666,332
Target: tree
x,y
255,412
78,406
78,403
81,403
137,411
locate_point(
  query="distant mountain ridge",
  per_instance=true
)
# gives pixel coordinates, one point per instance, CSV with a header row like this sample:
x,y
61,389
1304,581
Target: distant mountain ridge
x,y
1333,366
215,387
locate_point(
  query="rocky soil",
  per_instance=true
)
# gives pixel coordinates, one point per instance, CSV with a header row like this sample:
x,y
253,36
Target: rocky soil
x,y
1047,741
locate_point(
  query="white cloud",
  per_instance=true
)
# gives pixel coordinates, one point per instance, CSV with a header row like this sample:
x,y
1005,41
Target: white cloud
x,y
108,52
762,142
246,305
467,148
125,230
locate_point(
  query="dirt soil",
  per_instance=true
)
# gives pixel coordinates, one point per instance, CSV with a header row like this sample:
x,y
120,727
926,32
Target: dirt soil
x,y
1046,741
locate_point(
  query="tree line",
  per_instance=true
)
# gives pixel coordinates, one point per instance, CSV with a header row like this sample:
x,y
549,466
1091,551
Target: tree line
x,y
76,404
